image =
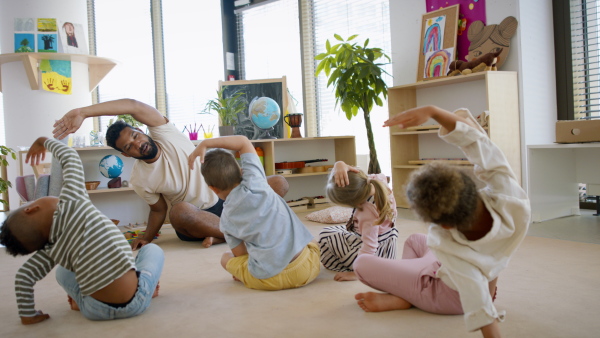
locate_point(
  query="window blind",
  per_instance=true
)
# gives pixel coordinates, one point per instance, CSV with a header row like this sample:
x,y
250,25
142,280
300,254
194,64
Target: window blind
x,y
585,43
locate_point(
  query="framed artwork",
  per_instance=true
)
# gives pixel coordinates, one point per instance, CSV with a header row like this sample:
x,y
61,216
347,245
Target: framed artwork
x,y
438,42
251,122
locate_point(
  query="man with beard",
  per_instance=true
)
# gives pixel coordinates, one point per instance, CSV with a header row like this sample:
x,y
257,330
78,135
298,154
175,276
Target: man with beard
x,y
161,174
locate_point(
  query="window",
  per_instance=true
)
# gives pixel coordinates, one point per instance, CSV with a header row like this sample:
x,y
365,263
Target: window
x,y
269,43
169,55
193,59
269,52
124,33
577,45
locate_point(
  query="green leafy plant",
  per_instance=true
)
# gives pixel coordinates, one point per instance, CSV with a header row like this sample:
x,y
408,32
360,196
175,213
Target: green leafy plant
x,y
5,184
358,80
227,108
127,119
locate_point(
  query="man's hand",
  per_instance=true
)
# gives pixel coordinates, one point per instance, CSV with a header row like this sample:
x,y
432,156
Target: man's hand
x,y
37,151
200,151
68,124
138,243
340,173
39,317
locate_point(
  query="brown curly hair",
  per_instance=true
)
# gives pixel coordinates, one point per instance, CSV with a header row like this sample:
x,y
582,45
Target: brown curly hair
x,y
358,191
443,195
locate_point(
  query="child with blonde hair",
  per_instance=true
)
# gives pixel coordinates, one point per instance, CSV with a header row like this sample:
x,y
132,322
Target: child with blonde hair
x,y
370,230
473,232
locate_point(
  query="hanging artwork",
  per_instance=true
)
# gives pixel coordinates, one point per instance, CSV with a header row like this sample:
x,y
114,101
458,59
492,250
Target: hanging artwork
x,y
47,37
72,38
24,35
56,76
438,42
469,11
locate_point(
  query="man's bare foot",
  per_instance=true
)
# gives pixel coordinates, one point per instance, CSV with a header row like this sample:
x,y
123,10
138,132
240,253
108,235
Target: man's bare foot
x,y
378,302
155,294
345,276
208,241
72,303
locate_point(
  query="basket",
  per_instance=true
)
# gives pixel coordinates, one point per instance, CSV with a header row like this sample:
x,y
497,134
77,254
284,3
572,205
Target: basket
x,y
92,185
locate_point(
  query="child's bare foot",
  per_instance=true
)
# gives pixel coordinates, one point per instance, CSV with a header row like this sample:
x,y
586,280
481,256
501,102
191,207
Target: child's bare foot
x,y
72,303
209,241
378,302
236,279
345,276
155,294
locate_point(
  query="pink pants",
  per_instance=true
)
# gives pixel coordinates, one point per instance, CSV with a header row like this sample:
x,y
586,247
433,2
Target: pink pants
x,y
411,278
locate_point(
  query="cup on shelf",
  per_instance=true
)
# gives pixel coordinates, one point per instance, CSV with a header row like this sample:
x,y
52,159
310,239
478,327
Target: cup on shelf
x,y
193,136
208,135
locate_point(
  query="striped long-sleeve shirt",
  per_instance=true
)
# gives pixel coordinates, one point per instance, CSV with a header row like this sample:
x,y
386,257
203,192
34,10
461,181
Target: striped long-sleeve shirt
x,y
82,239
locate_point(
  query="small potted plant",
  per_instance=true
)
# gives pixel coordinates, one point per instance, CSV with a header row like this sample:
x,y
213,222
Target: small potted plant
x,y
227,108
5,184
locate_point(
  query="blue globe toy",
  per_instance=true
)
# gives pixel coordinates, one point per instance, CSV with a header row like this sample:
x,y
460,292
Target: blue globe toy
x,y
111,166
264,113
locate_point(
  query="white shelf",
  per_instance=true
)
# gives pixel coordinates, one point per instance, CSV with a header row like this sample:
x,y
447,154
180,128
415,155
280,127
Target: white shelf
x,y
98,66
109,190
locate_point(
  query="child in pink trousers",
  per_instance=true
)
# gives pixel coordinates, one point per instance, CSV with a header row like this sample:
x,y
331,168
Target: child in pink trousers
x,y
472,236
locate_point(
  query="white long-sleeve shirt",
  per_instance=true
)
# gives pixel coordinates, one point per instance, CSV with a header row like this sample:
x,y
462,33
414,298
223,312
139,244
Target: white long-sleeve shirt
x,y
469,266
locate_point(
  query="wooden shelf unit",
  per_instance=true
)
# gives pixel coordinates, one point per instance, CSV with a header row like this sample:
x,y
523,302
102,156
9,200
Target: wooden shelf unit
x,y
98,66
502,102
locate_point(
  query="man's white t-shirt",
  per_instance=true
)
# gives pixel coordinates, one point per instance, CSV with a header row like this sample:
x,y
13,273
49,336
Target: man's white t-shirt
x,y
170,175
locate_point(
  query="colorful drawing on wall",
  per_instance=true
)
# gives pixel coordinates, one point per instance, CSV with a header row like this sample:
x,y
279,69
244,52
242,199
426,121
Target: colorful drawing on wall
x,y
438,42
434,32
24,43
56,76
72,38
437,62
47,43
469,11
46,25
24,25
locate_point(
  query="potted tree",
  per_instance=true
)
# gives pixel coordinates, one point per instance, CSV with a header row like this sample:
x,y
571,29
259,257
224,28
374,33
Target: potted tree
x,y
5,184
358,80
227,108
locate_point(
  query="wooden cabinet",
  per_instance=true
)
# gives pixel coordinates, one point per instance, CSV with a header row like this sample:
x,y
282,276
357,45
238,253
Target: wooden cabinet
x,y
334,148
494,91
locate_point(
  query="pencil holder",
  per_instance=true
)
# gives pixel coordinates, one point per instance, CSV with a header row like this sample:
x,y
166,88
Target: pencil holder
x,y
193,136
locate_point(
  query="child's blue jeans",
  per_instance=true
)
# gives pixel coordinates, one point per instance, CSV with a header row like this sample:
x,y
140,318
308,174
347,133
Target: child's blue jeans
x,y
149,265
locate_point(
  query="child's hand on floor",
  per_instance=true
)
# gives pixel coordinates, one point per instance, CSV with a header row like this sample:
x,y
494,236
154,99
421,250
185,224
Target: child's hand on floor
x,y
39,317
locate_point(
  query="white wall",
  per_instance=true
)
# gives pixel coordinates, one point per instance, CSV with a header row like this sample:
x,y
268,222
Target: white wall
x,y
531,55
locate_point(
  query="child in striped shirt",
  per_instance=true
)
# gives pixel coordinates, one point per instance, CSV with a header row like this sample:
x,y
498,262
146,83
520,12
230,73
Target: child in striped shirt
x,y
370,229
95,263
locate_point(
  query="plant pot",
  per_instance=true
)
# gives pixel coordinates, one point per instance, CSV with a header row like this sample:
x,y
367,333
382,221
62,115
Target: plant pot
x,y
226,130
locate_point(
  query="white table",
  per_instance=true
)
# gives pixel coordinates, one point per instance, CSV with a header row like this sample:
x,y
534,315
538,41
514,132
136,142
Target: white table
x,y
555,171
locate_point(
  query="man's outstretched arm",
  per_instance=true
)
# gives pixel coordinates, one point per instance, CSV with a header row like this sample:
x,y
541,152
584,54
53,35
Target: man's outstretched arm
x,y
71,121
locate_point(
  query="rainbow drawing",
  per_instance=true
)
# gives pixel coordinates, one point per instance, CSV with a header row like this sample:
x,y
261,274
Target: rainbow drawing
x,y
432,41
437,63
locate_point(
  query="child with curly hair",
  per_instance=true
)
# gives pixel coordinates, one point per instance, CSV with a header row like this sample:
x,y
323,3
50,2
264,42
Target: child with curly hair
x,y
370,230
473,232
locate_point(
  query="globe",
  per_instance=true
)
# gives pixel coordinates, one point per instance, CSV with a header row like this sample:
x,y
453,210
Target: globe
x,y
264,113
111,166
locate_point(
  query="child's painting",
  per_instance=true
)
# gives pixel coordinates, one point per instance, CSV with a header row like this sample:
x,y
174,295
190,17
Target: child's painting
x,y
47,43
469,11
24,25
434,32
72,38
24,42
46,25
56,76
438,42
437,62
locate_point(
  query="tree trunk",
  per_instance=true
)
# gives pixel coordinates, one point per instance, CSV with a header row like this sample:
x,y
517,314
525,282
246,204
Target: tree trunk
x,y
373,162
